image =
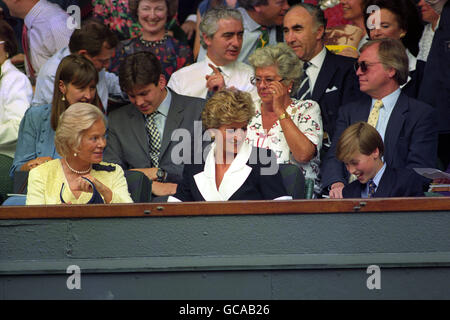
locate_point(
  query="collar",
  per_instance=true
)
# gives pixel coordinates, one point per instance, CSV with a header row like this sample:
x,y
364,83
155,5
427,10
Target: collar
x,y
390,100
34,13
165,104
247,21
412,61
226,70
318,60
379,174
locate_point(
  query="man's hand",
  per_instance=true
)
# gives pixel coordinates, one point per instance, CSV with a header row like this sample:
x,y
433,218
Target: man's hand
x,y
215,81
34,163
149,172
189,28
163,189
336,190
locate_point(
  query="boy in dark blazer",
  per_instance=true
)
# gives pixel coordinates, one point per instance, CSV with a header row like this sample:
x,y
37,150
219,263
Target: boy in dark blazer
x,y
361,148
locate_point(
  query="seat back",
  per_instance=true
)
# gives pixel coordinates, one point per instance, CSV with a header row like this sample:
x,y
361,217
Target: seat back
x,y
294,180
139,186
6,183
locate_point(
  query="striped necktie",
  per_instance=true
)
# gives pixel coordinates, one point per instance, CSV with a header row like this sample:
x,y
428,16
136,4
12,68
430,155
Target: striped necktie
x,y
375,113
154,138
372,189
304,93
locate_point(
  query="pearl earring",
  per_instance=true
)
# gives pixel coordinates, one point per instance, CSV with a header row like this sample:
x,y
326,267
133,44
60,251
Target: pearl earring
x,y
75,154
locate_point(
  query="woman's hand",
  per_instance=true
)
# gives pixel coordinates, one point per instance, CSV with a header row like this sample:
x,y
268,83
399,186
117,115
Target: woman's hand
x,y
34,163
280,97
85,186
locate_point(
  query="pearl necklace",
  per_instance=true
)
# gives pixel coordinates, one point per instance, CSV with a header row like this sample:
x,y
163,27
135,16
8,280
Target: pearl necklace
x,y
76,171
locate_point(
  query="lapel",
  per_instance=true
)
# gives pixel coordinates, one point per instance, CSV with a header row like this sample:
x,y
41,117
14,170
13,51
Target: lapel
x,y
326,73
361,110
137,124
173,121
395,125
233,179
386,184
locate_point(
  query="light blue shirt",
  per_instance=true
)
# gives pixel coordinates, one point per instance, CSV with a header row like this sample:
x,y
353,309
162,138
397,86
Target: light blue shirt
x,y
162,112
385,113
108,83
250,39
376,180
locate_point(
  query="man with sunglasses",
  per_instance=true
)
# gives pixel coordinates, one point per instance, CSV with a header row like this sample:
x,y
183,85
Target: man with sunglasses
x,y
407,126
329,79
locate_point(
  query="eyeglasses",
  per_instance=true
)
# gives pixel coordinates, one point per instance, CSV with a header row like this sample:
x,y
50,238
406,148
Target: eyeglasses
x,y
364,65
257,80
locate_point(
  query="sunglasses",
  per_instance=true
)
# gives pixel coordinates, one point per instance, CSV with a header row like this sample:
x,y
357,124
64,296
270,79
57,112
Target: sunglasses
x,y
364,65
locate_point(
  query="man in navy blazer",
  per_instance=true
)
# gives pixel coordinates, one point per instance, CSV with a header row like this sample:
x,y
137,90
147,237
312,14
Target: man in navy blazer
x,y
130,135
331,78
407,126
435,86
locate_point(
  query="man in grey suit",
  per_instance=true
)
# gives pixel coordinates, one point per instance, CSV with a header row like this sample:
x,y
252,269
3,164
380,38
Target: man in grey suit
x,y
139,134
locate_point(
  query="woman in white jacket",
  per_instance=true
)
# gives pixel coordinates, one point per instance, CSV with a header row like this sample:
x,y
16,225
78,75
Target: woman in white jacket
x,y
15,92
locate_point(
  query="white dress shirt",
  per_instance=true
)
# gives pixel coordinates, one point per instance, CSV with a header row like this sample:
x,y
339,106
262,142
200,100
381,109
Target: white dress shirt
x,y
314,69
190,80
15,98
385,113
108,83
47,32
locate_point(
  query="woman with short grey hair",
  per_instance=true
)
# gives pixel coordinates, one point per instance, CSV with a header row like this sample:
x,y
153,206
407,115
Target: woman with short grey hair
x,y
289,127
80,176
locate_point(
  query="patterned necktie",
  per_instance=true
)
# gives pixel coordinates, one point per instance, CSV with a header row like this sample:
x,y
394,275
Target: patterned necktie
x,y
26,50
263,38
375,113
154,138
372,189
304,93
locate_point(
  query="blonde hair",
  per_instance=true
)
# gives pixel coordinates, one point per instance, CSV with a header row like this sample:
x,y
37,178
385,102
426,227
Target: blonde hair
x,y
226,107
72,124
359,137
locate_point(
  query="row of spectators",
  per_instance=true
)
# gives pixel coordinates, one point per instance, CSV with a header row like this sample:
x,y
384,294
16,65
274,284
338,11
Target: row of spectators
x,y
306,85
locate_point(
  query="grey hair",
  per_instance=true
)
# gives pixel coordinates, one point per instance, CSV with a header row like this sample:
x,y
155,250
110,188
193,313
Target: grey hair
x,y
290,67
316,13
210,21
392,54
251,4
72,124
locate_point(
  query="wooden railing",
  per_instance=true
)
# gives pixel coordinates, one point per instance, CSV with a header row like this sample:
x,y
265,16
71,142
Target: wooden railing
x,y
227,208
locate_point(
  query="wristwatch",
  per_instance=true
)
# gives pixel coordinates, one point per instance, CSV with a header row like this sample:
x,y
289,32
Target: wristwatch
x,y
161,175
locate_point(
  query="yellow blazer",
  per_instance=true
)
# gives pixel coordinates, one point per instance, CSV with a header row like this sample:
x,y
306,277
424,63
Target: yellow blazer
x,y
45,182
